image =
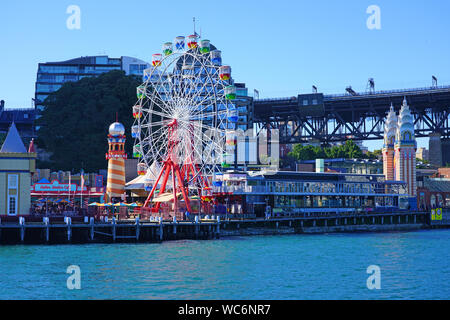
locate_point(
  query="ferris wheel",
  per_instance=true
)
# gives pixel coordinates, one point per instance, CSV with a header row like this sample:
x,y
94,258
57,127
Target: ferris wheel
x,y
185,109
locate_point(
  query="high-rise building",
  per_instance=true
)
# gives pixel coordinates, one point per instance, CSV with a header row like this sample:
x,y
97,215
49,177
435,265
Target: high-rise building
x,y
52,75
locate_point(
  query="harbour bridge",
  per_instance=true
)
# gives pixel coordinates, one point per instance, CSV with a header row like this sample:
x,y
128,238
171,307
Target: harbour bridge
x,y
356,116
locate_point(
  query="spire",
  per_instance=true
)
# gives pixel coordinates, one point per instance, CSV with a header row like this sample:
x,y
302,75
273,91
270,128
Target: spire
x,y
32,148
405,103
13,143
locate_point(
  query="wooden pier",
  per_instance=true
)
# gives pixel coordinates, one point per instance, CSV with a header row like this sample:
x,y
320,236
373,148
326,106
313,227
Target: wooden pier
x,y
90,231
87,230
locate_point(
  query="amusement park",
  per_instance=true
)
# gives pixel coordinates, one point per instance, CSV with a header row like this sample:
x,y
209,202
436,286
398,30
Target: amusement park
x,y
239,151
201,151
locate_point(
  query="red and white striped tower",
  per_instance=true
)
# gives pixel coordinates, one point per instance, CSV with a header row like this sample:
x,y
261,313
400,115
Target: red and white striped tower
x,y
116,156
390,130
405,150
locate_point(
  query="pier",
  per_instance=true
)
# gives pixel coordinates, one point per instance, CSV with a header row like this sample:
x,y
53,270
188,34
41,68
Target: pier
x,y
77,230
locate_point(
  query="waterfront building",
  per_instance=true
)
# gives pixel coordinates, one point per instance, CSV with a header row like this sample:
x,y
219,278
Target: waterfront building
x,y
434,193
52,75
116,156
16,167
56,191
405,150
309,192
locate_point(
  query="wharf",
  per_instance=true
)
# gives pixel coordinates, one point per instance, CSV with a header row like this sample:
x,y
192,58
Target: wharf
x,y
86,230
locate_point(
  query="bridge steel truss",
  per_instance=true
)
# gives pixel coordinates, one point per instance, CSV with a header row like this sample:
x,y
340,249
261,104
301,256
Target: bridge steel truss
x,y
357,117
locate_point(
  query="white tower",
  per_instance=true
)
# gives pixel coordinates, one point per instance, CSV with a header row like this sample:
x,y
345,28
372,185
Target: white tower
x,y
390,131
405,150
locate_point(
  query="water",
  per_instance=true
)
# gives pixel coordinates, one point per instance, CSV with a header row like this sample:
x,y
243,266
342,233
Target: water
x,y
414,265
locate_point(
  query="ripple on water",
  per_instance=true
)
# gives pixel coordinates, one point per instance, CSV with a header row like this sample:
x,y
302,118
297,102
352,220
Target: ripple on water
x,y
414,265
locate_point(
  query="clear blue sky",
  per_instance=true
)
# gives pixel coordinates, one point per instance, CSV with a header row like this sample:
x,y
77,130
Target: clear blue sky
x,y
279,47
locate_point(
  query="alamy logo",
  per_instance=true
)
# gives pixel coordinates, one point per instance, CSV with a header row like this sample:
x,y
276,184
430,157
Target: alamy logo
x,y
74,280
374,281
374,20
74,20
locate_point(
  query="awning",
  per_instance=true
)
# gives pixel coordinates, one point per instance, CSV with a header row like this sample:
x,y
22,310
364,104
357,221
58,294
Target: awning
x,y
165,197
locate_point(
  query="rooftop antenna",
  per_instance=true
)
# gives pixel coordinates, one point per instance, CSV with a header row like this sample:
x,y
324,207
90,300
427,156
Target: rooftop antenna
x,y
314,88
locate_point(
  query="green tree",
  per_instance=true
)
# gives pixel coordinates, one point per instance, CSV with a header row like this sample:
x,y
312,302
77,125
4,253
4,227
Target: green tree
x,y
75,122
349,150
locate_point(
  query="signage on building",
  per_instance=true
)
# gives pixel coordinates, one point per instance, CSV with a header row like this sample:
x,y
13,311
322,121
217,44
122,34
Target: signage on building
x,y
56,187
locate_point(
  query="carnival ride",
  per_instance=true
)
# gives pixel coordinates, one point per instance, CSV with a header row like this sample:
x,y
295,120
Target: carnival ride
x,y
184,122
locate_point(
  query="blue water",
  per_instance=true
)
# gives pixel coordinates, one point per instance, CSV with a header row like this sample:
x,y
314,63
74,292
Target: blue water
x,y
414,265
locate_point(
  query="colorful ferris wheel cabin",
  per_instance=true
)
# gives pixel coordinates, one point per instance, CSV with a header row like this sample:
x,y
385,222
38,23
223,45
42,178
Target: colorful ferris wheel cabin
x,y
137,151
167,48
137,112
179,43
225,72
233,114
140,92
216,57
142,169
156,59
205,46
192,41
135,132
230,92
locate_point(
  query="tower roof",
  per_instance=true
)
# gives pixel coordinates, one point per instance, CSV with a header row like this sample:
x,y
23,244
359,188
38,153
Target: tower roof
x,y
116,129
13,143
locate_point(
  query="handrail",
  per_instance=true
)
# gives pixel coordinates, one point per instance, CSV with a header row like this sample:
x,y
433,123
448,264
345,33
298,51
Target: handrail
x,y
366,94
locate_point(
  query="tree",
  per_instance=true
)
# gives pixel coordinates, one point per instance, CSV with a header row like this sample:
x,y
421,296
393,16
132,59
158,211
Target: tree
x,y
76,118
349,150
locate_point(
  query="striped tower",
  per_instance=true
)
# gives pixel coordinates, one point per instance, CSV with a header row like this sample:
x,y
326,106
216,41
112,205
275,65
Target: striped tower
x,y
405,150
390,130
116,161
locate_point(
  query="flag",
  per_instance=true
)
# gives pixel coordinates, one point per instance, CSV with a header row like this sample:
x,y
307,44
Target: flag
x,y
82,183
70,185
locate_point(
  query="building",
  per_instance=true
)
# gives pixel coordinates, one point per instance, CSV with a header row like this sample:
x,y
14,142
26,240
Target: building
x,y
52,75
309,192
399,152
423,154
16,167
341,165
405,150
23,119
434,193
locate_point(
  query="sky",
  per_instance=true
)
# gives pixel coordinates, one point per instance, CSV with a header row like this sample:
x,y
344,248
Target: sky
x,y
281,48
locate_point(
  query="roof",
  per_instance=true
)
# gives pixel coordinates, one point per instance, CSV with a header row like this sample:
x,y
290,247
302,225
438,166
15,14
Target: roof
x,y
437,185
13,143
25,115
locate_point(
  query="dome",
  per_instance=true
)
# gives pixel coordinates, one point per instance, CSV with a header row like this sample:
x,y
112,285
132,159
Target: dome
x,y
116,129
